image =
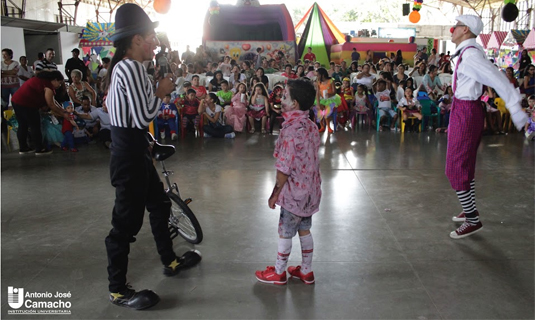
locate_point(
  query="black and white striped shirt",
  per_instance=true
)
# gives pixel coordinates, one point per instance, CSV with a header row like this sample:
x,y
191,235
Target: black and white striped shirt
x,y
131,101
45,65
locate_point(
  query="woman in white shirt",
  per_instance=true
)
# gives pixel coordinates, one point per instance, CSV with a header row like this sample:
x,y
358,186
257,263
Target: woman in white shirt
x,y
25,72
365,77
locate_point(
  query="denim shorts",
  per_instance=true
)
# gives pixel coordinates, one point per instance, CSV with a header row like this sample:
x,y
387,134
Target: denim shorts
x,y
289,224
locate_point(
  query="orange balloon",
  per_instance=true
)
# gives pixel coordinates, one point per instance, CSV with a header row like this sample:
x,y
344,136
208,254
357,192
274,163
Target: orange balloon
x,y
162,6
414,17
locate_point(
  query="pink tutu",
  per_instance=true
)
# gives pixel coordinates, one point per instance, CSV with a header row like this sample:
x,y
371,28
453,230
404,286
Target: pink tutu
x,y
235,116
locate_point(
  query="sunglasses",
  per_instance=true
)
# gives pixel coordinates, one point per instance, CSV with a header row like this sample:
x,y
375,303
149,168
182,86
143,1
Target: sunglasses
x,y
455,26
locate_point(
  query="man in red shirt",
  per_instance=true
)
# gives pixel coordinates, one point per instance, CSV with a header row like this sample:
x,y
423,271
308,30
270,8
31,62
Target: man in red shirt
x,y
310,56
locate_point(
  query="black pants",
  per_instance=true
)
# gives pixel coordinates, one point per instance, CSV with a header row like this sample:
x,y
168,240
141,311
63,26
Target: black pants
x,y
137,185
28,118
104,135
273,119
217,131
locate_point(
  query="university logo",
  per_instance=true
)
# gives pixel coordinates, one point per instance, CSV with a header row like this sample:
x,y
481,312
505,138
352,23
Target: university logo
x,y
15,297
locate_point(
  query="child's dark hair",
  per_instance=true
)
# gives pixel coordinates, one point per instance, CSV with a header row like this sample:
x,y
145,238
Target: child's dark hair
x,y
364,88
191,91
169,95
310,68
195,76
224,82
213,96
84,98
303,92
381,81
532,97
288,65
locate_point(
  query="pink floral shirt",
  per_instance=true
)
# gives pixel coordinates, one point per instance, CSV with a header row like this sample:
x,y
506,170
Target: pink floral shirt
x,y
296,152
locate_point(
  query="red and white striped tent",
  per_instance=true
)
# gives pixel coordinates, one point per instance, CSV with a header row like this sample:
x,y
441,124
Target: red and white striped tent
x,y
496,39
529,43
483,40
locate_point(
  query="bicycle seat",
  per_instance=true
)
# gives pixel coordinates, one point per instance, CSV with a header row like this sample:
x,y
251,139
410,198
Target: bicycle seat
x,y
161,152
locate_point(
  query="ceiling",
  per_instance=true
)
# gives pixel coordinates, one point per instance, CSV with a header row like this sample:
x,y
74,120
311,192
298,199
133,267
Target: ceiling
x,y
477,4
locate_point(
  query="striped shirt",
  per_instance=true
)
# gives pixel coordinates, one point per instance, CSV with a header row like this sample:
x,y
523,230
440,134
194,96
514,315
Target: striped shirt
x,y
45,65
131,101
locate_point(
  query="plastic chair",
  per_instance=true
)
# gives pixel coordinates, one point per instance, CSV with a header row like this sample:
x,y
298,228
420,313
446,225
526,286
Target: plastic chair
x,y
427,113
355,119
8,114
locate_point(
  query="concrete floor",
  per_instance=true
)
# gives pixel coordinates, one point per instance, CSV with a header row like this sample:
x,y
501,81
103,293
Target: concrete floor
x,y
382,249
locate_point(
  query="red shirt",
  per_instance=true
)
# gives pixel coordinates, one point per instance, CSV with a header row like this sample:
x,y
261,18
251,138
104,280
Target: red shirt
x,y
67,125
310,57
289,76
191,107
32,93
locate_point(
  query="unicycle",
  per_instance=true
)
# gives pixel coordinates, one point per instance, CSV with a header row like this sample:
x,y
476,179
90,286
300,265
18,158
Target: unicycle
x,y
182,221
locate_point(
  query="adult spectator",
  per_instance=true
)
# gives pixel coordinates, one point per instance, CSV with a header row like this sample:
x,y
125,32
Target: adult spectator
x,y
84,111
399,58
25,72
47,64
355,56
10,80
258,63
309,55
75,63
102,73
187,56
79,89
525,60
40,57
529,80
36,93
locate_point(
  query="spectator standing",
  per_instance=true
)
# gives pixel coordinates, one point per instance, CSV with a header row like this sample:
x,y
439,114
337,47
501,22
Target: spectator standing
x,y
47,63
309,55
10,80
75,63
25,72
355,56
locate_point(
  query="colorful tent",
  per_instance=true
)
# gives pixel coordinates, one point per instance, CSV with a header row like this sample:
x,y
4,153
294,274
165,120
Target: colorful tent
x,y
483,39
320,34
97,35
515,38
529,43
496,39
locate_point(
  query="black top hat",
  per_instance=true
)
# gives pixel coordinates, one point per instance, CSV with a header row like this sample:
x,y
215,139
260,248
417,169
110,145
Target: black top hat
x,y
131,19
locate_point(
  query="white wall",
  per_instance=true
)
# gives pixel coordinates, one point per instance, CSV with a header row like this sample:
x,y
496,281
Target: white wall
x,y
68,41
13,38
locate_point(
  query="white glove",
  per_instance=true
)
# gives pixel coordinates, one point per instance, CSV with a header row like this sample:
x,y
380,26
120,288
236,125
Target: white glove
x,y
519,119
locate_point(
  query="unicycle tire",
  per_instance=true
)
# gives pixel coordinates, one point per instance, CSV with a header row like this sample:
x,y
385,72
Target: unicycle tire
x,y
184,221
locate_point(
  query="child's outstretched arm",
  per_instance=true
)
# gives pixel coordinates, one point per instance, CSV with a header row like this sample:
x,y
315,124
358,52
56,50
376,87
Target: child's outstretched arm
x,y
280,181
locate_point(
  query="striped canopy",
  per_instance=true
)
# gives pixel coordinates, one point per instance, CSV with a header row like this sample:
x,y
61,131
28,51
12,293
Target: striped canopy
x,y
97,35
483,39
515,38
320,34
529,43
496,39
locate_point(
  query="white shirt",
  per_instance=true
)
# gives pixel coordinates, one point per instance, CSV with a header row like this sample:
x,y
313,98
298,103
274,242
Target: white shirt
x,y
475,70
26,73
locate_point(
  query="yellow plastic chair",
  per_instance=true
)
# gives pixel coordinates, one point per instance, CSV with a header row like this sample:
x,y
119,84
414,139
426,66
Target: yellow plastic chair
x,y
8,114
412,118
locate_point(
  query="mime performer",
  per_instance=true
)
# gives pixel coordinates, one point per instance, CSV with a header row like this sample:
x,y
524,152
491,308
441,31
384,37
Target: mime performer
x,y
472,71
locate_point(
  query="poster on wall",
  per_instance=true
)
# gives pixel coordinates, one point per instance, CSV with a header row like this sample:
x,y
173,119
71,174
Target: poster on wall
x,y
246,50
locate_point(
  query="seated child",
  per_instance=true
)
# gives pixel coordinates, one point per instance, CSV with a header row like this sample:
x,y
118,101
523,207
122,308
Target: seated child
x,y
384,107
493,117
68,126
275,106
224,95
361,103
101,115
213,113
531,105
411,108
167,118
235,114
215,84
530,127
298,184
190,110
258,107
445,106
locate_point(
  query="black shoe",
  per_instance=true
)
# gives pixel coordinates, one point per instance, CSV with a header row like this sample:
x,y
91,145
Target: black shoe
x,y
26,151
135,300
188,260
43,152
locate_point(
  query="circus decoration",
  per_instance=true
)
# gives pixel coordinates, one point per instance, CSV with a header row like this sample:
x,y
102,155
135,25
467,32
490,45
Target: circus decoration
x,y
162,6
509,11
97,35
414,17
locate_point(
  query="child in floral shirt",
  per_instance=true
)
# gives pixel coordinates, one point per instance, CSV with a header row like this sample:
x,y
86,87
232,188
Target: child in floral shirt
x,y
298,185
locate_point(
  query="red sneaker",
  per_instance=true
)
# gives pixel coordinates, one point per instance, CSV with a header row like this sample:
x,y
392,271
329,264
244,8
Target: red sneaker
x,y
65,149
466,230
295,272
271,276
461,218
74,150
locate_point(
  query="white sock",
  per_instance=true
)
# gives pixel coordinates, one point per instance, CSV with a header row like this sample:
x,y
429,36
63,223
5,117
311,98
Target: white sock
x,y
285,247
307,250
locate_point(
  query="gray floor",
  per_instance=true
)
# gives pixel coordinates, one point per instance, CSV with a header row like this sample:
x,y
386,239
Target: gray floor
x,y
382,249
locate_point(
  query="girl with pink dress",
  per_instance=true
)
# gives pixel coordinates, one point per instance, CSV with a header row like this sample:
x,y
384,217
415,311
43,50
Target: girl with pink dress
x,y
235,114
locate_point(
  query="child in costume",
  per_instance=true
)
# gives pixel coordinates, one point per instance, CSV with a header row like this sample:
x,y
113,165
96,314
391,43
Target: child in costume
x,y
235,114
530,127
68,126
167,118
275,106
298,183
326,100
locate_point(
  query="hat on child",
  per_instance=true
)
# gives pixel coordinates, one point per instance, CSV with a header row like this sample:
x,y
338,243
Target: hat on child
x,y
131,19
345,79
473,23
67,104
